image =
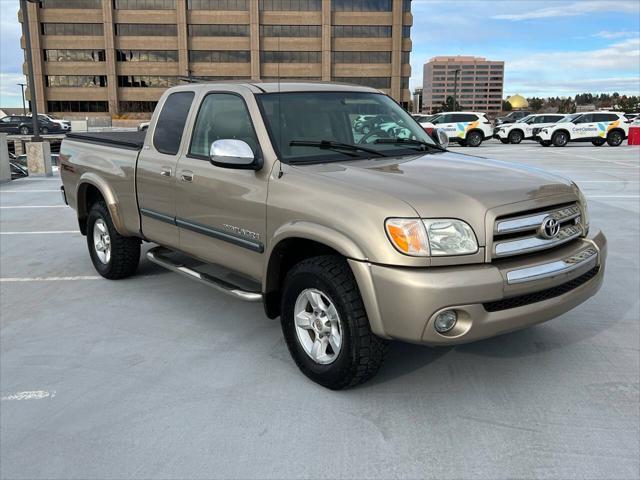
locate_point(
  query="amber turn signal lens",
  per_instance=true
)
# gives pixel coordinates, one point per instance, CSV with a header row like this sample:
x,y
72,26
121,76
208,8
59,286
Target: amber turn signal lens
x,y
408,236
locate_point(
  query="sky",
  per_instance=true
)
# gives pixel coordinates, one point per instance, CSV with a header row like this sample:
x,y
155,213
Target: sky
x,y
551,48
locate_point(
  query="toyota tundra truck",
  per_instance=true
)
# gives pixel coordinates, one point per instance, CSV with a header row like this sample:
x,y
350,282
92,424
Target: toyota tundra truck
x,y
267,192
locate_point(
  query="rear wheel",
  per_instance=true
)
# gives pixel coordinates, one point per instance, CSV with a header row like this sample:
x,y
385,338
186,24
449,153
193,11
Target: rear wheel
x,y
599,142
515,136
474,139
615,138
325,324
560,139
44,130
113,255
24,130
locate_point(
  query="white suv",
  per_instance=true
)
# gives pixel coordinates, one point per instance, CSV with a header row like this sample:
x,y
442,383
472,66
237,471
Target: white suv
x,y
594,127
466,128
524,129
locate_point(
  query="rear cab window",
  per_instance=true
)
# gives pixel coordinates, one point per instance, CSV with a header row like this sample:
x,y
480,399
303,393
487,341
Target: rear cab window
x,y
171,122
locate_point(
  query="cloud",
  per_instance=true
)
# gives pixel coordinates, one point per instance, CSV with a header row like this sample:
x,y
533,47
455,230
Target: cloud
x,y
613,35
573,9
10,94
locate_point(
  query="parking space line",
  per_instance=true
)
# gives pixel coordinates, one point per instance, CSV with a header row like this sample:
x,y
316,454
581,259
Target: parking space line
x,y
33,395
613,196
34,206
46,232
29,191
49,279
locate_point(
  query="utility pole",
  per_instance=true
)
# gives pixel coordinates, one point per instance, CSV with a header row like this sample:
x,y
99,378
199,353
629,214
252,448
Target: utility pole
x,y
24,108
455,89
32,88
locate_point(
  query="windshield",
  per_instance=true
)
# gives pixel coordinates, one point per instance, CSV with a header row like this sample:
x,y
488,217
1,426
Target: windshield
x,y
369,120
527,119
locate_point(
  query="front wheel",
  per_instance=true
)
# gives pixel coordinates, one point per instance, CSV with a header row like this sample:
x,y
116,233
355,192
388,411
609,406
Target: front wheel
x,y
515,136
24,130
615,138
325,324
474,139
113,255
560,139
44,130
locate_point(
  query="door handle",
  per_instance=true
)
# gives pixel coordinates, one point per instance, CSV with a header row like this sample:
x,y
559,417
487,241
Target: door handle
x,y
165,172
186,176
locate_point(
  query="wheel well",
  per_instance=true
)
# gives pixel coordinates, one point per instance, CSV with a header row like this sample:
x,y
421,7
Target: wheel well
x,y
475,130
615,130
284,256
88,195
561,130
517,130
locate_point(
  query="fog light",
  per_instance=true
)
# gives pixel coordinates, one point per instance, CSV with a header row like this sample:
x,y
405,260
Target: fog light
x,y
445,321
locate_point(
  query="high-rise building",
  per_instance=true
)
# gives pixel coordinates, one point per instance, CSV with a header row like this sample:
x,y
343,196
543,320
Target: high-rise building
x,y
118,56
475,82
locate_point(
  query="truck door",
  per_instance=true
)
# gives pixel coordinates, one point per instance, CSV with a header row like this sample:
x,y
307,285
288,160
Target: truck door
x,y
221,212
156,171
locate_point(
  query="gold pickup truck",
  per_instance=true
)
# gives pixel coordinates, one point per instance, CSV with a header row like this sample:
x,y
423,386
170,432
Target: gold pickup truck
x,y
354,237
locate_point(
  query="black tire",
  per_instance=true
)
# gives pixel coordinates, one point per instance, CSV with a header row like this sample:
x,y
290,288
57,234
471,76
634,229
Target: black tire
x,y
615,138
515,136
24,130
545,143
474,139
599,142
504,140
125,251
44,130
361,353
560,139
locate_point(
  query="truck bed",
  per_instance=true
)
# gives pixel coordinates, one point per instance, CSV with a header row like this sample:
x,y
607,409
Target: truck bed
x,y
126,140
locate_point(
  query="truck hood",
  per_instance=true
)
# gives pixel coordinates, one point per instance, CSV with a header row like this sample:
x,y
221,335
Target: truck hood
x,y
448,184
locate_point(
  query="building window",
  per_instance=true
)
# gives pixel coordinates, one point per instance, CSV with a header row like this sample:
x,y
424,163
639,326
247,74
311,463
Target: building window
x,y
291,5
373,82
406,5
406,31
291,79
64,55
134,106
290,57
290,30
79,4
404,82
144,4
77,106
146,29
361,57
147,55
76,81
218,4
221,79
83,29
147,81
223,56
406,57
219,30
361,31
361,5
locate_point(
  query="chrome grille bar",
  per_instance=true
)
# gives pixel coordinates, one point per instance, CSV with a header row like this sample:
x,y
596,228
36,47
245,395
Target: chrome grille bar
x,y
535,243
553,269
529,222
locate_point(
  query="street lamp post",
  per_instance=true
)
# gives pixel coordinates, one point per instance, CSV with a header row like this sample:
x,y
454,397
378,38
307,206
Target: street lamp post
x,y
455,89
30,78
24,108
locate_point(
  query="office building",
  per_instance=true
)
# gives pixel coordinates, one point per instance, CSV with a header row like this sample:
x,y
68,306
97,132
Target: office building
x,y
475,82
101,57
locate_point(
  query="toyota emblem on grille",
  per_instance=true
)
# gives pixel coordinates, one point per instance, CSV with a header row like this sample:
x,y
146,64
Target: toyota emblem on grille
x,y
550,228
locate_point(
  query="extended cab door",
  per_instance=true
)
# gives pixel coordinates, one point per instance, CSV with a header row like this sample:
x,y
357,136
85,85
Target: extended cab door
x,y
156,170
221,212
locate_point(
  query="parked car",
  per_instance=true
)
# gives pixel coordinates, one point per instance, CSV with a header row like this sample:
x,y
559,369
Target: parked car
x,y
466,128
631,116
524,129
65,125
595,127
351,240
512,117
420,118
17,170
22,125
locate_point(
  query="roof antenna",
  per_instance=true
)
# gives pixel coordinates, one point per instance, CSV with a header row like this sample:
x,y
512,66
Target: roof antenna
x,y
280,172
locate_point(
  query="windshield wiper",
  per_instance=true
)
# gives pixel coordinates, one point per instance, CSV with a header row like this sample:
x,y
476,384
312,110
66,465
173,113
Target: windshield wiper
x,y
338,146
410,141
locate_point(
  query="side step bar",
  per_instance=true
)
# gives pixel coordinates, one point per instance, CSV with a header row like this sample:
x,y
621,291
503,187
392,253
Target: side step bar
x,y
158,256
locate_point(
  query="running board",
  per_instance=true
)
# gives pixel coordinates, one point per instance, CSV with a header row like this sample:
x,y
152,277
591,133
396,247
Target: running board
x,y
158,255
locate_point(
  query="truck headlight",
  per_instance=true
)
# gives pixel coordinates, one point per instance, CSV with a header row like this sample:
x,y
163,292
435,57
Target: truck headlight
x,y
435,237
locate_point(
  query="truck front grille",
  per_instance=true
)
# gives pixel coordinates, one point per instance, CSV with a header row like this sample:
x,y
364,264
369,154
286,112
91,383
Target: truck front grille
x,y
549,293
536,230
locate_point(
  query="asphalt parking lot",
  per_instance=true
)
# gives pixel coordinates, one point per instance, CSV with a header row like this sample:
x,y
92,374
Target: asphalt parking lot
x,y
159,377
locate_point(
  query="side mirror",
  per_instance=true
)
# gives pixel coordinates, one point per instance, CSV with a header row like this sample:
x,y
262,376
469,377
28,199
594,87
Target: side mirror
x,y
231,153
441,137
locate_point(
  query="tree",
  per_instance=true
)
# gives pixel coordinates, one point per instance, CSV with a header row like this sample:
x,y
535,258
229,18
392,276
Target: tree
x,y
535,103
566,106
450,105
506,106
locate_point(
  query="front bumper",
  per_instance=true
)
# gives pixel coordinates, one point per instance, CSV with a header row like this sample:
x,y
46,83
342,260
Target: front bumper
x,y
490,299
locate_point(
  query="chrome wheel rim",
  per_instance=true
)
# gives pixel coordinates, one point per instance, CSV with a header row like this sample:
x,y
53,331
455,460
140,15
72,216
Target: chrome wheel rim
x,y
318,326
102,241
